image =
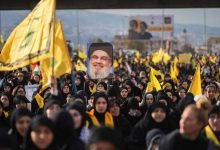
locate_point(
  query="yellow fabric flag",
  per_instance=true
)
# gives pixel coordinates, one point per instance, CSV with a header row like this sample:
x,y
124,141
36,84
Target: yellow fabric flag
x,y
213,59
172,73
175,69
157,72
185,57
115,64
80,66
166,58
158,56
154,83
138,55
1,40
203,59
82,55
40,100
120,60
62,63
32,39
195,87
149,88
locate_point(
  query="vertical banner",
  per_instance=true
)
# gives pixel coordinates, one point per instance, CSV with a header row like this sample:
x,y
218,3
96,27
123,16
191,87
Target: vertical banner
x,y
99,62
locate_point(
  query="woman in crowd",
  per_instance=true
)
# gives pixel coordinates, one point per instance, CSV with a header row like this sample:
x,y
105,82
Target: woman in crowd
x,y
100,115
105,138
212,130
20,121
210,91
153,139
147,101
7,102
4,125
20,101
52,107
41,135
122,125
65,132
131,110
81,124
157,117
123,94
189,134
19,90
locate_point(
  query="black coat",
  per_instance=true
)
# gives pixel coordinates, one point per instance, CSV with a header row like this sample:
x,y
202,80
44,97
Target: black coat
x,y
146,124
174,141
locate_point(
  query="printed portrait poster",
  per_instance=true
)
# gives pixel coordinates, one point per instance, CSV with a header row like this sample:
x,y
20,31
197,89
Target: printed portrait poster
x,y
30,89
99,62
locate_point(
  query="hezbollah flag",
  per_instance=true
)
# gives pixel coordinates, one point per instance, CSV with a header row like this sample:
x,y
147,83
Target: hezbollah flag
x,y
158,56
166,58
154,83
195,87
32,39
82,55
80,66
62,62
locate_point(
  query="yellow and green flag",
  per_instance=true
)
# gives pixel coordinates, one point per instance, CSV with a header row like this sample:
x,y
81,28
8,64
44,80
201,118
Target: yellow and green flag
x,y
195,87
62,62
80,66
32,39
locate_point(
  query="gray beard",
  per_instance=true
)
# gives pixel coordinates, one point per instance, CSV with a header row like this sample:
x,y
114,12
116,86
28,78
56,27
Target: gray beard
x,y
104,73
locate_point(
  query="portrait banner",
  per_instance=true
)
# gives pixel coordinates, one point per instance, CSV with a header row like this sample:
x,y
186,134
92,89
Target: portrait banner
x,y
99,62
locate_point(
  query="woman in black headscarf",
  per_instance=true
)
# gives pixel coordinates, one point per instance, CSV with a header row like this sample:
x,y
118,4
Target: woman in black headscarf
x,y
80,119
7,101
3,121
100,115
132,113
146,102
157,117
66,136
20,121
41,135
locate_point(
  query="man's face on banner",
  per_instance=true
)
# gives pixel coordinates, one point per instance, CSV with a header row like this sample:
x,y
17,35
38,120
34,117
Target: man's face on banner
x,y
99,60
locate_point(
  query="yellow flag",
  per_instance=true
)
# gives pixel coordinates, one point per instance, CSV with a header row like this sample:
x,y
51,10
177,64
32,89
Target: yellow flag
x,y
80,66
62,63
40,100
120,60
1,40
138,55
32,39
166,58
213,59
158,56
185,57
203,59
115,64
195,87
154,83
175,69
82,55
172,73
158,73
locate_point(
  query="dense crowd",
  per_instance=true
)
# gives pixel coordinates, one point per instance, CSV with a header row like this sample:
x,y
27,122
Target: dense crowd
x,y
113,114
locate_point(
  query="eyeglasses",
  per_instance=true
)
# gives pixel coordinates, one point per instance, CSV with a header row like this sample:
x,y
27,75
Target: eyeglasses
x,y
103,58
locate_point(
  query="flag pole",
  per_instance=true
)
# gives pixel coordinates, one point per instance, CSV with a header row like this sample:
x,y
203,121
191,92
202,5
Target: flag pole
x,y
53,40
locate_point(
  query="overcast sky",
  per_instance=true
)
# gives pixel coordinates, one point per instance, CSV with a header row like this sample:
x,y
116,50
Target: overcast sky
x,y
183,16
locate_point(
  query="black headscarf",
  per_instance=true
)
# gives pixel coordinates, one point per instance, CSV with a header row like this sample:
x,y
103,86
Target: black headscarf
x,y
37,122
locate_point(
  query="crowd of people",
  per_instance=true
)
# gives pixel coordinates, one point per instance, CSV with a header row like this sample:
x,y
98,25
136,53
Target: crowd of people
x,y
116,113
